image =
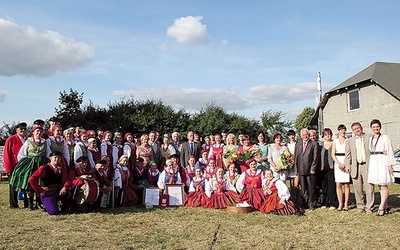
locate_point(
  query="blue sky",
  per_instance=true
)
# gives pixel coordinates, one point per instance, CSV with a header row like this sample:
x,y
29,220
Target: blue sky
x,y
246,56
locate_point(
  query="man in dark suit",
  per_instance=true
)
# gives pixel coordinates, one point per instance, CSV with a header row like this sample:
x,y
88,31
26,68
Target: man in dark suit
x,y
156,148
189,148
11,149
305,165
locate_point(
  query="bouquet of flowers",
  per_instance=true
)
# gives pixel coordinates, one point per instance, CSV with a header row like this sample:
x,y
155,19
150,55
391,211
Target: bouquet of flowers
x,y
286,161
233,154
248,154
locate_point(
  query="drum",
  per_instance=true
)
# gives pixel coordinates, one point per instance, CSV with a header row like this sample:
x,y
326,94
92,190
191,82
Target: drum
x,y
86,193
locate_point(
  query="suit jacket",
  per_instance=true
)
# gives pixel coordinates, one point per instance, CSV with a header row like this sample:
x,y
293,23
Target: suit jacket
x,y
185,152
351,155
307,161
11,148
156,153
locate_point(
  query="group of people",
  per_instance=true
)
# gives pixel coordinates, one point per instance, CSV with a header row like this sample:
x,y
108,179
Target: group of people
x,y
57,165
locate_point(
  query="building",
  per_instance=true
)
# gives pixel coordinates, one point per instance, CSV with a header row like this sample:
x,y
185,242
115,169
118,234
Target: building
x,y
373,93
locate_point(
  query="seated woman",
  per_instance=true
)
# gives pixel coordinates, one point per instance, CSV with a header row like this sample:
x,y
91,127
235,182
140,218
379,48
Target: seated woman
x,y
169,175
277,196
154,172
211,169
221,192
128,196
231,175
190,168
249,185
197,196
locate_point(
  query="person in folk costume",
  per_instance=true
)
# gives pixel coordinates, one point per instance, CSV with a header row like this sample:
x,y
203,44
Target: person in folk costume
x,y
70,142
211,169
56,142
182,171
221,192
105,185
41,123
129,150
141,178
99,137
154,172
93,152
144,150
11,148
190,168
277,196
53,122
117,148
166,151
127,197
231,175
249,185
169,175
203,161
81,146
31,156
106,145
91,134
76,177
55,183
197,196
216,151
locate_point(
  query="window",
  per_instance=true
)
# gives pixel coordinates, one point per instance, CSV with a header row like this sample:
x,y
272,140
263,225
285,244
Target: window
x,y
353,99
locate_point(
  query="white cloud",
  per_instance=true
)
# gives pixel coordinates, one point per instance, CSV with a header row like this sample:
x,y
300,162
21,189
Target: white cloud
x,y
25,51
189,98
163,47
268,94
3,94
224,42
189,30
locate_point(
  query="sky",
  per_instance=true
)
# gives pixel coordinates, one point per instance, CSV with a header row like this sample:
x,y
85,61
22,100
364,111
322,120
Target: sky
x,y
245,56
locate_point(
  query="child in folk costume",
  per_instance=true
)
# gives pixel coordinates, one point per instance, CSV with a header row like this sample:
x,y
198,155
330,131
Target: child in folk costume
x,y
277,196
249,185
203,161
190,168
221,192
128,196
211,169
169,175
197,196
141,178
231,175
154,172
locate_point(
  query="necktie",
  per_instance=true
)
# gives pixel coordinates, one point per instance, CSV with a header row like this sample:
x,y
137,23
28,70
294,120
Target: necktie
x,y
359,150
304,146
191,149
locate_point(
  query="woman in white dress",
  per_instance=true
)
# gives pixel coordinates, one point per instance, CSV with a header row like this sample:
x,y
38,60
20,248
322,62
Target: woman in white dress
x,y
381,163
342,177
274,154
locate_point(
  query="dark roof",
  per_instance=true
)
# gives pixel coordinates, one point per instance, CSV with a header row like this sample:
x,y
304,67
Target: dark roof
x,y
386,75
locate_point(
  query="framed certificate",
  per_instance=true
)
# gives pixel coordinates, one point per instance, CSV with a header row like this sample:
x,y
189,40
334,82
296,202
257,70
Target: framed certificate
x,y
151,195
176,194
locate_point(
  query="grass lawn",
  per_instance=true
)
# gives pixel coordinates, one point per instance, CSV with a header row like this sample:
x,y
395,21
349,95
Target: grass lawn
x,y
185,228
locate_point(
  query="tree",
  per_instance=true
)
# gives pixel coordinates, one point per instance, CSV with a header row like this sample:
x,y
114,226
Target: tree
x,y
274,121
303,119
69,111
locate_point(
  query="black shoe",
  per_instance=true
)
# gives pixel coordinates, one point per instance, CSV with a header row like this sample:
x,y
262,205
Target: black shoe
x,y
14,207
299,213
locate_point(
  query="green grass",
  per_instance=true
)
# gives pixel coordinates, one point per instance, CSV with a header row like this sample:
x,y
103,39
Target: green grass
x,y
185,228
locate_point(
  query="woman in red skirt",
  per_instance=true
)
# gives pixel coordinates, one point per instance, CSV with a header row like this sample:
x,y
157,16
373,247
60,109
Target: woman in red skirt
x,y
277,196
221,192
249,185
197,196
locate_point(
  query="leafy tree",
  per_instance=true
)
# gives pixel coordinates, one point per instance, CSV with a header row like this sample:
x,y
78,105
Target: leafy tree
x,y
209,119
303,119
274,121
69,111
